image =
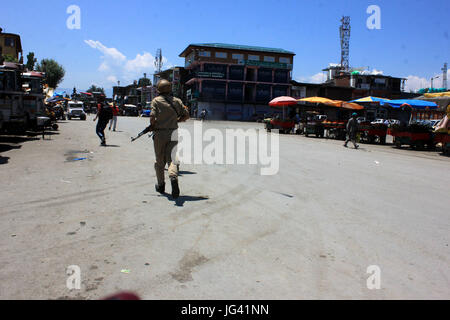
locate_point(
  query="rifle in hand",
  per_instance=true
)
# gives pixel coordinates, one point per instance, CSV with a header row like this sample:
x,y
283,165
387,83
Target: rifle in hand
x,y
150,128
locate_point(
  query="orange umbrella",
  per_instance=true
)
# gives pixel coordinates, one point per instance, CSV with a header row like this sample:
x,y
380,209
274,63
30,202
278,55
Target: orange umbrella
x,y
351,106
326,101
333,103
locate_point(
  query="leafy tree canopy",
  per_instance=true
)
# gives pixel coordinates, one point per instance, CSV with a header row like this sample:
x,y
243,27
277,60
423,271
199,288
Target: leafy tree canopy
x,y
9,58
54,72
94,88
31,61
144,82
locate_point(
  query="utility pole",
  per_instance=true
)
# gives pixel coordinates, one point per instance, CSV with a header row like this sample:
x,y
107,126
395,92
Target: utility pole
x,y
432,78
444,76
142,89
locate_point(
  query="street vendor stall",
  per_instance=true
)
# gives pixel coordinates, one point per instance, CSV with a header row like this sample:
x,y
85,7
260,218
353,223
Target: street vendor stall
x,y
284,124
332,119
375,108
441,135
413,132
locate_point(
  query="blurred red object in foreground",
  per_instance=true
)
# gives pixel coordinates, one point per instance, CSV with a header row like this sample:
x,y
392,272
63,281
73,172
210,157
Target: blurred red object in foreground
x,y
123,296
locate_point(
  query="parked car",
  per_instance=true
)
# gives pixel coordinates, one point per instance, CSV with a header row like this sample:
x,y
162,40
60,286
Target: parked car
x,y
75,109
379,121
434,123
393,121
361,119
320,117
130,110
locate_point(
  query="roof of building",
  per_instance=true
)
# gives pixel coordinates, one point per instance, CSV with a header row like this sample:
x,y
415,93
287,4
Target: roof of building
x,y
366,75
16,36
237,47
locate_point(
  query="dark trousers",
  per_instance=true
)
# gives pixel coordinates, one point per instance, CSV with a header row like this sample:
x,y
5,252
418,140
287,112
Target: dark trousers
x,y
351,137
100,129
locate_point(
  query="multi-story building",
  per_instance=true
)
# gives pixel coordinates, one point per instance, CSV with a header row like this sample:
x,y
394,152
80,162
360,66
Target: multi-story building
x,y
365,83
176,75
10,45
235,82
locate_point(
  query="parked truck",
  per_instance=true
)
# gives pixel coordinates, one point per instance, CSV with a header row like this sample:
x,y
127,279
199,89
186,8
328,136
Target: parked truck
x,y
21,98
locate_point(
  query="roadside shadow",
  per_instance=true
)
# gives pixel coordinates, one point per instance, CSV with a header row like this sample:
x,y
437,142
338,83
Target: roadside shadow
x,y
112,146
7,147
179,202
186,172
16,139
180,173
4,160
50,133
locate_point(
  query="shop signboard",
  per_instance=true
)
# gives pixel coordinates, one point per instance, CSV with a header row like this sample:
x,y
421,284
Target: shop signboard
x,y
202,74
266,64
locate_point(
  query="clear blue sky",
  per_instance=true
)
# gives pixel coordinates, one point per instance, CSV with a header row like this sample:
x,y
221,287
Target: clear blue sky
x,y
413,40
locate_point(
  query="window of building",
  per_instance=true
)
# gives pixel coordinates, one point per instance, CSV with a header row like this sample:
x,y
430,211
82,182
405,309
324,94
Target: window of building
x,y
264,75
253,57
9,42
236,73
238,56
281,76
189,59
204,53
269,59
214,90
235,91
263,93
222,55
280,91
285,60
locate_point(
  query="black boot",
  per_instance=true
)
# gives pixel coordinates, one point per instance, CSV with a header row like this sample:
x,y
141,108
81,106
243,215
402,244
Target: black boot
x,y
175,188
160,188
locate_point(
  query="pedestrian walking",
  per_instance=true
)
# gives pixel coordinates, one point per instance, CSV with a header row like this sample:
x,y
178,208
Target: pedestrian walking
x,y
115,112
104,115
203,114
166,112
352,129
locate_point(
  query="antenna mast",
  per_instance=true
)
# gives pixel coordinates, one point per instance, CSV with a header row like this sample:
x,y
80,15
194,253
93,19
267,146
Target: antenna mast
x,y
344,31
158,65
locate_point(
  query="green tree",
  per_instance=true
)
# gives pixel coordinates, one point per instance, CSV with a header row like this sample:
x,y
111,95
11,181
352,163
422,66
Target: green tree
x,y
94,88
31,61
9,58
143,82
54,72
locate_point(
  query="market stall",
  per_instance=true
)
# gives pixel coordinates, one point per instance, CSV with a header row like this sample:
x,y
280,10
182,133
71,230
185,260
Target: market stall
x,y
332,119
441,135
411,131
284,124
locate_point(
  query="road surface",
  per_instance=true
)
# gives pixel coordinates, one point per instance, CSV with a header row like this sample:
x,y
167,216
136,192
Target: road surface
x,y
309,232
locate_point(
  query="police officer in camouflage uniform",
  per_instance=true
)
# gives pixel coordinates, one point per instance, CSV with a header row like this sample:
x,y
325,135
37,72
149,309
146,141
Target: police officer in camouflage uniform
x,y
166,112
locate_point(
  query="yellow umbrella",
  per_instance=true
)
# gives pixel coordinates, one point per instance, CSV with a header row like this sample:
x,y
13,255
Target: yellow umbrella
x,y
437,94
333,103
326,101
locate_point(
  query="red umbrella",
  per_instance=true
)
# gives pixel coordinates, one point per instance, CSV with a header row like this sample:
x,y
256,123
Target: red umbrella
x,y
283,101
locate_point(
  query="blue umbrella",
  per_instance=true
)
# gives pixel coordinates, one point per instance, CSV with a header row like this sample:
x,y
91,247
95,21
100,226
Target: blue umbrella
x,y
415,104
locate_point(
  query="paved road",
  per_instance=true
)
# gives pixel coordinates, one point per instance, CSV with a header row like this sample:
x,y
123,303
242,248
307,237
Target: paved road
x,y
310,231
